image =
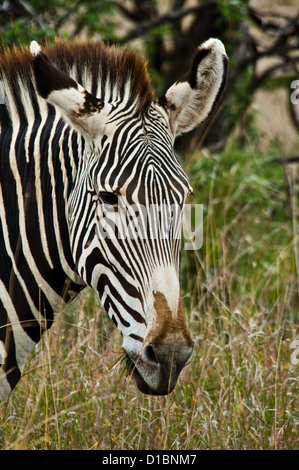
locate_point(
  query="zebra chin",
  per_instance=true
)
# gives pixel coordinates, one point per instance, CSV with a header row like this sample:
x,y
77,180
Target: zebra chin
x,y
163,386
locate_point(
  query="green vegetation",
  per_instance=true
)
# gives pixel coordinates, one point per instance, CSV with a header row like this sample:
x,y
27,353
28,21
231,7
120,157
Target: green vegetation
x,y
241,292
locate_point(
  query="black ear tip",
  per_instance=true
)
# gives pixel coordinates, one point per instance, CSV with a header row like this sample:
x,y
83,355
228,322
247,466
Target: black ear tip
x,y
36,52
48,77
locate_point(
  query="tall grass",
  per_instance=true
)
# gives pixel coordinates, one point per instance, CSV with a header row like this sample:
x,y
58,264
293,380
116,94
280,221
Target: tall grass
x,y
241,295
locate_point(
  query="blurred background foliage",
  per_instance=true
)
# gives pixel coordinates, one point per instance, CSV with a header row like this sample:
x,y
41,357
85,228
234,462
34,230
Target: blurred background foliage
x,y
167,32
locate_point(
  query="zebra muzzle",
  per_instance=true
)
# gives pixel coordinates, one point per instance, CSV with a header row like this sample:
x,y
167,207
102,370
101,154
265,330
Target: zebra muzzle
x,y
166,350
157,368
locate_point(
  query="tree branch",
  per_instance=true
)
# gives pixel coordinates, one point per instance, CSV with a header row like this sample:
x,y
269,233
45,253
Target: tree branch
x,y
167,18
22,8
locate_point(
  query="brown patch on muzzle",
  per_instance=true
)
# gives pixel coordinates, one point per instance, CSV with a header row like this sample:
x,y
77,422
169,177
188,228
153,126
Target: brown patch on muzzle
x,y
167,324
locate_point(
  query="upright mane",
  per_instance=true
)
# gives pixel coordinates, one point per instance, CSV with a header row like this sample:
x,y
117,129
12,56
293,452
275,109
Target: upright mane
x,y
111,73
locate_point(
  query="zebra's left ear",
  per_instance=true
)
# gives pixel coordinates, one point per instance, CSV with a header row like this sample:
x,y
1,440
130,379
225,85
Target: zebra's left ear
x,y
197,94
79,107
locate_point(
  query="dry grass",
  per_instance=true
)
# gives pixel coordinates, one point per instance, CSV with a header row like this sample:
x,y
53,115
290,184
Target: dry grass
x,y
241,292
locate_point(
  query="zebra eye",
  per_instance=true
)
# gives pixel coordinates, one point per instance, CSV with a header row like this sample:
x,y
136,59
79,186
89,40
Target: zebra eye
x,y
109,198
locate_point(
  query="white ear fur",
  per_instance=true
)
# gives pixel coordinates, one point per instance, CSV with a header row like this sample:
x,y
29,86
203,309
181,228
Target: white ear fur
x,y
87,113
190,100
34,48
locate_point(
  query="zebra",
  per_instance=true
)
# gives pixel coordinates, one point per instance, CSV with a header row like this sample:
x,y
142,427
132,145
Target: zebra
x,y
83,139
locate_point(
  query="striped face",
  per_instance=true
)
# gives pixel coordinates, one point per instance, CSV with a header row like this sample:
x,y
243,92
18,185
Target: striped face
x,y
126,242
124,211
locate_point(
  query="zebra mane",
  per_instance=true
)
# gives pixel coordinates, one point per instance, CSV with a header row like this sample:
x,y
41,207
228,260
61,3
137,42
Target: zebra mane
x,y
109,72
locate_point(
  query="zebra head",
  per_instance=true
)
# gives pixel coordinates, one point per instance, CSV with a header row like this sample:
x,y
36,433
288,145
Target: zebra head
x,y
124,208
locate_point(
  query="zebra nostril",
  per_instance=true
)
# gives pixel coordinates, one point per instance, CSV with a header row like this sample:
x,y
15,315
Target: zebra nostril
x,y
150,355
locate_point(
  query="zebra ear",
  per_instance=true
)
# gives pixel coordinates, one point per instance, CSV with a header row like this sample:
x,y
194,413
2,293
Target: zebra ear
x,y
75,103
196,95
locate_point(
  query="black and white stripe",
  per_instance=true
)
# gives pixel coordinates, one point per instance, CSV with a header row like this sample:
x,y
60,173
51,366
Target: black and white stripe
x,y
75,161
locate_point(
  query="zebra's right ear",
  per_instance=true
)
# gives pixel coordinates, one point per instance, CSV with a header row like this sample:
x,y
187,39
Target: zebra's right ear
x,y
81,109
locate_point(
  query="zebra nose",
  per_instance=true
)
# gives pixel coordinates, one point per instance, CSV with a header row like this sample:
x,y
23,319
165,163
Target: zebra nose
x,y
150,355
176,355
160,364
